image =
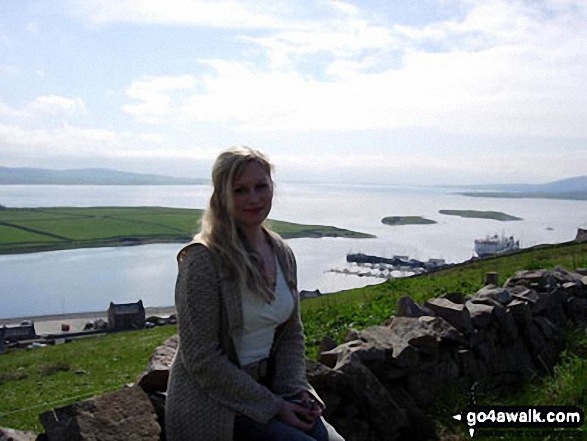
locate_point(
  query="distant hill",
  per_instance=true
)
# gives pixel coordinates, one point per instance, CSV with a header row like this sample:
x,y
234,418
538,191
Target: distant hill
x,y
570,188
86,176
577,183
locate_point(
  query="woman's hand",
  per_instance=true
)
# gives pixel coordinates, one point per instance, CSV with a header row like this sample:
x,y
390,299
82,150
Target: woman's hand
x,y
299,415
296,415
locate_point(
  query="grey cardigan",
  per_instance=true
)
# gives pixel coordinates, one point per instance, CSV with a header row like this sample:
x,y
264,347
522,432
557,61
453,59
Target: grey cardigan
x,y
207,387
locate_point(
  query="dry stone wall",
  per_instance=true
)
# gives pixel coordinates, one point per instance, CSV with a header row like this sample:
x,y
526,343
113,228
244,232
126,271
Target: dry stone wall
x,y
379,383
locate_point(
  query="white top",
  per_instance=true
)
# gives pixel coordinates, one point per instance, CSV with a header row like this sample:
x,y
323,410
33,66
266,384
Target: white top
x,y
260,319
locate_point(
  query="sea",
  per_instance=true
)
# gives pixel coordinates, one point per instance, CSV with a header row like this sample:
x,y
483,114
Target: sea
x,y
63,282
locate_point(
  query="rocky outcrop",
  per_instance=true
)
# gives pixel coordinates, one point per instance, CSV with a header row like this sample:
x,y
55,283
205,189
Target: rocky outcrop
x,y
379,382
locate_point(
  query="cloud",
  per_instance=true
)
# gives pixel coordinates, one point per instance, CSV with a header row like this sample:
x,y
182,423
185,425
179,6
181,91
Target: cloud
x,y
512,68
9,111
57,105
64,138
220,14
153,94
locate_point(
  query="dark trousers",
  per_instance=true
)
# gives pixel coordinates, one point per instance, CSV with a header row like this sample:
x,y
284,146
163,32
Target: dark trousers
x,y
245,429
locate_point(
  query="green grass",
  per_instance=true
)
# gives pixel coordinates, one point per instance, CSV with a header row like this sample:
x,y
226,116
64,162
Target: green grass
x,y
43,229
494,215
406,220
32,381
332,315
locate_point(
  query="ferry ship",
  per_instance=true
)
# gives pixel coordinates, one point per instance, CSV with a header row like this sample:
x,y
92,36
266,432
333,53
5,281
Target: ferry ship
x,y
495,244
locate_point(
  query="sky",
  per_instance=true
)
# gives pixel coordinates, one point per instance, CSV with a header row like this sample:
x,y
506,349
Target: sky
x,y
394,92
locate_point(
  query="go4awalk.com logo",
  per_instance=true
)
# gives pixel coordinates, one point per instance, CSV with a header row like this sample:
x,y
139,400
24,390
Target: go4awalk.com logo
x,y
550,417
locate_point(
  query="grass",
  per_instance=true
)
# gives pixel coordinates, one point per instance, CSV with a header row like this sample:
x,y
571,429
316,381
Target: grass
x,y
43,229
333,315
406,220
494,215
32,381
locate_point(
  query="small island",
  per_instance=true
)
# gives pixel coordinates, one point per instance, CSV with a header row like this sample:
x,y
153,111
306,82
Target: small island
x,y
494,215
29,230
406,220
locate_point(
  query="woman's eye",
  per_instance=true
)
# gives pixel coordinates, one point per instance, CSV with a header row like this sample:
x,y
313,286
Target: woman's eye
x,y
262,186
239,190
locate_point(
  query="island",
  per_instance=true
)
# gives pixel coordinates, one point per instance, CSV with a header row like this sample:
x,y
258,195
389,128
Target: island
x,y
27,230
406,220
494,215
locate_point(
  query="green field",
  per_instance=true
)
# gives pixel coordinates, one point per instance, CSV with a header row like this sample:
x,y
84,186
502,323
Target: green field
x,y
495,215
406,220
35,380
42,229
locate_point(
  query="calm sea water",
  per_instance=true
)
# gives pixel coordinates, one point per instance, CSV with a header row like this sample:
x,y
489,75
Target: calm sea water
x,y
87,280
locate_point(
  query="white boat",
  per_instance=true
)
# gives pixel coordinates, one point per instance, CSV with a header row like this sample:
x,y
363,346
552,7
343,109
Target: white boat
x,y
495,244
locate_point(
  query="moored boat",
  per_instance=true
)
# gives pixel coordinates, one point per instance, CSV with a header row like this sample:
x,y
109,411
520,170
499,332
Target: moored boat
x,y
495,244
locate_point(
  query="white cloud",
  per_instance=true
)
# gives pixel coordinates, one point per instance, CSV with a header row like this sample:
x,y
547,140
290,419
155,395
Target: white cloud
x,y
9,111
507,68
64,137
222,14
57,105
153,94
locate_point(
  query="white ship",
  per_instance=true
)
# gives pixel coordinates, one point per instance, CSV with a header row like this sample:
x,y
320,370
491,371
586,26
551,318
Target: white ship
x,y
495,245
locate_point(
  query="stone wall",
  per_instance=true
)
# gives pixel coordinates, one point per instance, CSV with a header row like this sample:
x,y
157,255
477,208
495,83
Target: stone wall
x,y
380,382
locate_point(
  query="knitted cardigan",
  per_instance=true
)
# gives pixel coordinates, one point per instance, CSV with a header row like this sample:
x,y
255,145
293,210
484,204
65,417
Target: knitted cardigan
x,y
207,386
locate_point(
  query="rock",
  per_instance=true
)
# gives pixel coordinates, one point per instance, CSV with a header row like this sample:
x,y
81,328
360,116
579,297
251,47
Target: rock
x,y
455,297
512,364
361,398
492,295
577,310
327,344
481,314
455,314
521,312
444,330
155,379
416,333
125,415
492,278
388,344
100,324
406,307
16,435
540,280
382,413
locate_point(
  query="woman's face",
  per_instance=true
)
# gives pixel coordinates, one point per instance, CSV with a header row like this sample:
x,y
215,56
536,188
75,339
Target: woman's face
x,y
252,191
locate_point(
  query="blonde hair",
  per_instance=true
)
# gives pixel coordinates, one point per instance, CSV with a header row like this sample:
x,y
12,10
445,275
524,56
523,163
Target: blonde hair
x,y
219,229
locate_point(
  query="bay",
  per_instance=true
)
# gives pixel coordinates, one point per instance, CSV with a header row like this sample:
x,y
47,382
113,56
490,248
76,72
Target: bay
x,y
88,279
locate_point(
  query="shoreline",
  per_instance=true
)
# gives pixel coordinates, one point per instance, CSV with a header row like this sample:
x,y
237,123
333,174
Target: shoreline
x,y
51,323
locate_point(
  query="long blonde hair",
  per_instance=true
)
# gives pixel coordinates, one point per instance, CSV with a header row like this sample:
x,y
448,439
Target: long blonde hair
x,y
219,229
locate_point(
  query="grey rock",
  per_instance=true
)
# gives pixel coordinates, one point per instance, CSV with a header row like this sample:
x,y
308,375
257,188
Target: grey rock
x,y
481,314
16,435
125,415
456,314
406,307
492,295
155,379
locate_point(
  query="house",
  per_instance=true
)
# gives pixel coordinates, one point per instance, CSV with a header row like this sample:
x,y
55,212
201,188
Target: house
x,y
25,331
581,234
125,316
309,294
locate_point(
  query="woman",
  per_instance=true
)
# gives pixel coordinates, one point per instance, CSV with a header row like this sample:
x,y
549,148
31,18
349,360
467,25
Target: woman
x,y
239,372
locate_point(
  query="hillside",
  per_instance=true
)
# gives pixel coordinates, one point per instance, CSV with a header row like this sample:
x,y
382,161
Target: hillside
x,y
86,176
574,188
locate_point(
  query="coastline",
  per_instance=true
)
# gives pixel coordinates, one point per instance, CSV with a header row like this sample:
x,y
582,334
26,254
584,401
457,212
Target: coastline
x,y
51,323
